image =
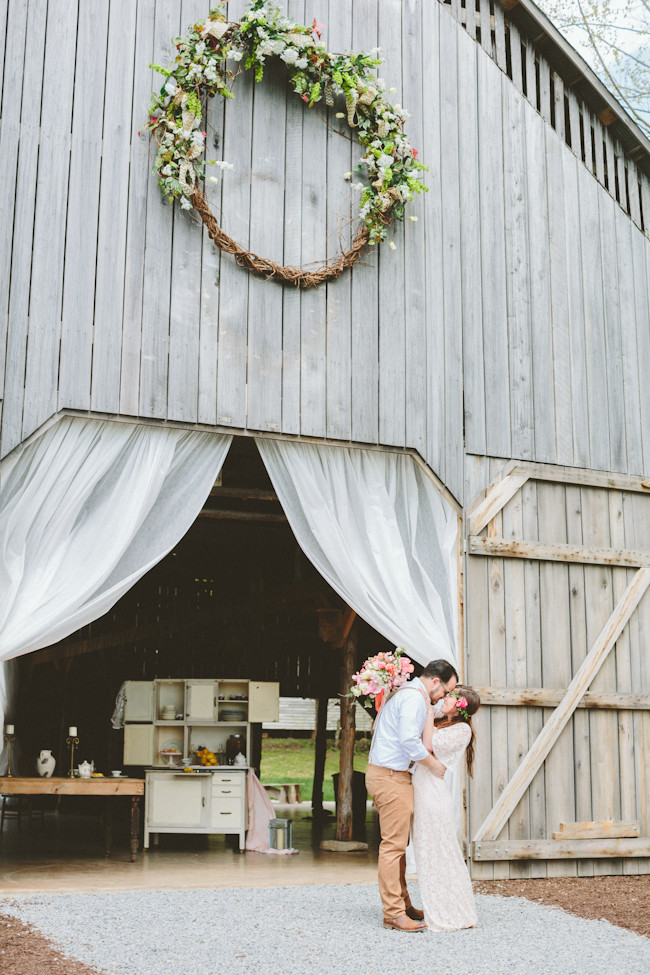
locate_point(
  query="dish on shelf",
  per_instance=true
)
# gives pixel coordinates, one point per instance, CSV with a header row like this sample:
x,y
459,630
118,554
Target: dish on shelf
x,y
232,714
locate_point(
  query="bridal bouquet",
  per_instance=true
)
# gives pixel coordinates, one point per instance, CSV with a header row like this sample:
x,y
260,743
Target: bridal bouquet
x,y
384,672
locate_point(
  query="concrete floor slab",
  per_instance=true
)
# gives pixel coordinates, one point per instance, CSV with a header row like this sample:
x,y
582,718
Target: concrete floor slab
x,y
65,853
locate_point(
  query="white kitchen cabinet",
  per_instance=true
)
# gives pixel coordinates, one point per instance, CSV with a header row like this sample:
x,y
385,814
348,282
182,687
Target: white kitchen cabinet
x,y
183,715
196,802
139,700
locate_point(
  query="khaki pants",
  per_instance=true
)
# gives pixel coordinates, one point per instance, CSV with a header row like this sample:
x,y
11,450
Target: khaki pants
x,y
392,793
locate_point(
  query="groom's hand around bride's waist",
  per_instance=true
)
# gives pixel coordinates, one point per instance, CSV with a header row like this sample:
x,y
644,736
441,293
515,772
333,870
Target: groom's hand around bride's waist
x,y
434,765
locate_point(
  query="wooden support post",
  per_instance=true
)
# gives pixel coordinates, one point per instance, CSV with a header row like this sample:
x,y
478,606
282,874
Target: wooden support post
x,y
320,753
344,809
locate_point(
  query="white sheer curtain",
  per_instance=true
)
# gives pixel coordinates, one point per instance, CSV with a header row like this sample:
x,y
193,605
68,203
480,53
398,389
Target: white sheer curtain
x,y
380,533
85,511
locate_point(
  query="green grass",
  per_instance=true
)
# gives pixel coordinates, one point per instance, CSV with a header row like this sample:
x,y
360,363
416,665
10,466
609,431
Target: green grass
x,y
292,760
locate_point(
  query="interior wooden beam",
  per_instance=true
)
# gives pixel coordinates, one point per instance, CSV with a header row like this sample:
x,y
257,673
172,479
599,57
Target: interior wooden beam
x,y
255,516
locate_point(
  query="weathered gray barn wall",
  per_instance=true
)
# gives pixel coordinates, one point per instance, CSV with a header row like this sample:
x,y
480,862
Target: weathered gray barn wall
x,y
522,287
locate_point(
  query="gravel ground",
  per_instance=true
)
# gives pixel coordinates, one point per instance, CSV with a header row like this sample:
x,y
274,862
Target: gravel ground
x,y
316,929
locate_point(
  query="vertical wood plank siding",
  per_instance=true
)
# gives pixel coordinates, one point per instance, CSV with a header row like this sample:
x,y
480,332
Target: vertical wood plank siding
x,y
496,324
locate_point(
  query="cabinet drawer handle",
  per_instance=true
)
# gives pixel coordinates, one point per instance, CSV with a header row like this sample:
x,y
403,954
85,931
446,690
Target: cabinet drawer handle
x,y
225,814
203,801
226,792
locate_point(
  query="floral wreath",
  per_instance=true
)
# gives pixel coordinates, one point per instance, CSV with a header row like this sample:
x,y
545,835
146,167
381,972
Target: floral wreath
x,y
199,71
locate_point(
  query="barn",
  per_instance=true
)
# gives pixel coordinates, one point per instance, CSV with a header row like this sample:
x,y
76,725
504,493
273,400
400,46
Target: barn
x,y
194,458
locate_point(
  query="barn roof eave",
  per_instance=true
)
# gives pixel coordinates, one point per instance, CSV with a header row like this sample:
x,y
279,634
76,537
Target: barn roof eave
x,y
576,74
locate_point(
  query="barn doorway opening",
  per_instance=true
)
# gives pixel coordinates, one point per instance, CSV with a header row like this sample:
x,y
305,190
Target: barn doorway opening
x,y
235,596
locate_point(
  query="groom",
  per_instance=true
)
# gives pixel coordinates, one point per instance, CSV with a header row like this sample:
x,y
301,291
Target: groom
x,y
396,747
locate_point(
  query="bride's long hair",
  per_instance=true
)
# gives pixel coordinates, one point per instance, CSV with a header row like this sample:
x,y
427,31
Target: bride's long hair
x,y
473,704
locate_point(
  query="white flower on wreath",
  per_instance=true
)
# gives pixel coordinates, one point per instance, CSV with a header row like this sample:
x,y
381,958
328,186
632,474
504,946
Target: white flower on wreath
x,y
385,161
185,203
199,50
234,55
171,86
302,63
289,55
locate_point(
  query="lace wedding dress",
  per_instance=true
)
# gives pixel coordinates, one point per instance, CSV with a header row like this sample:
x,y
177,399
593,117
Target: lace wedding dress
x,y
447,898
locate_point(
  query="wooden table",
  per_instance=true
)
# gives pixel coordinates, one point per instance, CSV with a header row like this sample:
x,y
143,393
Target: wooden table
x,y
107,788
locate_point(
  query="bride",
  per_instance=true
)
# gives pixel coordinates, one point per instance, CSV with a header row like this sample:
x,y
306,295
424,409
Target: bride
x,y
446,888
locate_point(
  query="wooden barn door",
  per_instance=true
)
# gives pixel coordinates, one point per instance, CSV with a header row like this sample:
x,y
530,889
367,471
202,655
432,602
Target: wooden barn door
x,y
558,624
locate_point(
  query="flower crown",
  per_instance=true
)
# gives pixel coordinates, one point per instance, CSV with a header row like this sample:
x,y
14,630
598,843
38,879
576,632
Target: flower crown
x,y
461,706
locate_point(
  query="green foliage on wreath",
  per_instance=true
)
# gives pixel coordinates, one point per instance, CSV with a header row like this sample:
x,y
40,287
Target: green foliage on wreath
x,y
389,167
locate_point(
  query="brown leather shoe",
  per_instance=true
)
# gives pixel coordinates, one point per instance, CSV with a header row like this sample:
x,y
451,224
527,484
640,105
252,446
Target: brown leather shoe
x,y
415,913
404,923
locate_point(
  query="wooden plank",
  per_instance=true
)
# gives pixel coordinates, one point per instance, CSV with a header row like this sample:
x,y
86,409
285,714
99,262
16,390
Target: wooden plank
x,y
634,193
621,533
294,111
496,499
365,284
16,786
43,345
542,390
518,266
500,36
574,124
594,323
560,849
613,338
154,359
138,199
556,552
435,325
266,223
554,599
584,477
391,263
470,18
478,636
559,297
516,672
81,252
24,188
508,799
111,287
470,247
341,207
313,337
599,153
498,673
544,697
609,162
211,267
608,829
558,105
451,263
579,643
12,72
233,280
185,296
544,89
493,262
535,670
415,61
641,323
515,57
486,29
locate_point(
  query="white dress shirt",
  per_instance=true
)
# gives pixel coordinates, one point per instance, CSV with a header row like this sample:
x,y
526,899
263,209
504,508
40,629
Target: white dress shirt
x,y
397,740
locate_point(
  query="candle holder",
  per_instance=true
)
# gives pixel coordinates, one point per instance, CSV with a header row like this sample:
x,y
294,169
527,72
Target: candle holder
x,y
9,739
72,742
